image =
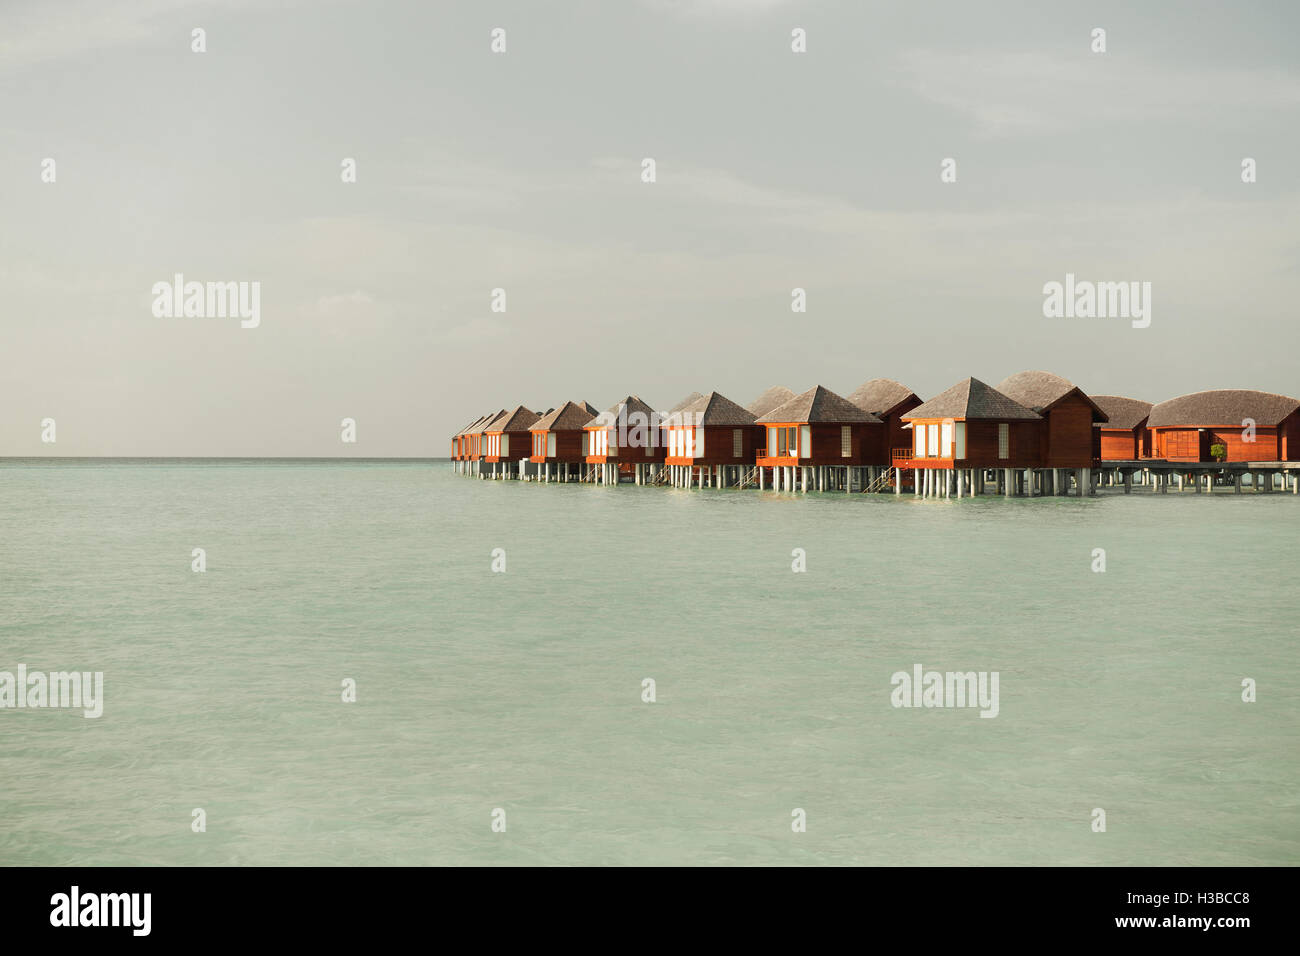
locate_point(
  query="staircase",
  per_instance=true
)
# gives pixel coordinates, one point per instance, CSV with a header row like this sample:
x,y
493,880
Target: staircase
x,y
880,483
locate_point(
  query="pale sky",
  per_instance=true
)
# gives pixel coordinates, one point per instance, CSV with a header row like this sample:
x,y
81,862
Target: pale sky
x,y
521,170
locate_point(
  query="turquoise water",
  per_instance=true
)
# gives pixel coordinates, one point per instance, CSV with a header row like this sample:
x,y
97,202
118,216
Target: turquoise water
x,y
478,690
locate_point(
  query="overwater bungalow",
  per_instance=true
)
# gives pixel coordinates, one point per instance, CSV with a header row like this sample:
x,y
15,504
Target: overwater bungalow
x,y
507,441
822,439
1227,424
1124,435
775,396
1068,440
1036,434
711,441
625,439
962,432
475,444
889,401
460,443
557,441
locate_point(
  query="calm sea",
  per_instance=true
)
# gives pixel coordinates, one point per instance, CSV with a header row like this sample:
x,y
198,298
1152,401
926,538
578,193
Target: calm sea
x,y
523,690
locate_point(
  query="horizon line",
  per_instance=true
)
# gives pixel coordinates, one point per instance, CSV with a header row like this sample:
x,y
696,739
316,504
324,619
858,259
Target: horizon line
x,y
220,458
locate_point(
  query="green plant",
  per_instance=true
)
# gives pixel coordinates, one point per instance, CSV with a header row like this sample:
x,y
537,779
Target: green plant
x,y
1218,452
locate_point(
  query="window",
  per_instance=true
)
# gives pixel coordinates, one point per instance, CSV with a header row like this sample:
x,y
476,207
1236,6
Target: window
x,y
505,446
550,444
1004,441
846,441
699,443
945,440
805,441
959,430
932,439
919,431
737,442
771,442
586,445
780,442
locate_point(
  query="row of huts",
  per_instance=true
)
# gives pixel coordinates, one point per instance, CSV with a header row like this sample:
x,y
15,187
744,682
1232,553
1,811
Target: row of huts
x,y
1035,432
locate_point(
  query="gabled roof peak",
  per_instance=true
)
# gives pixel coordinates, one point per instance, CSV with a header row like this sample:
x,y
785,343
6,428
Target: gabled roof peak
x,y
818,404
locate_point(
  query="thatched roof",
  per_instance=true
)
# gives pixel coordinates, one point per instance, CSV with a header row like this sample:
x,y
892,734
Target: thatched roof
x,y
818,404
478,421
1223,406
1041,390
715,409
609,418
688,400
518,419
1125,414
570,416
973,399
482,425
773,397
881,395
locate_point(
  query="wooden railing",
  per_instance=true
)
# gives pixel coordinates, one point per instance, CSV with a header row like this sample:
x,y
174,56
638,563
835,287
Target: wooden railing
x,y
901,454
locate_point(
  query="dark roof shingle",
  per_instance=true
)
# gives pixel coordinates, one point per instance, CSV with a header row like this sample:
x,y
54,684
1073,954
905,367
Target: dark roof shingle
x,y
1124,413
609,418
715,409
518,419
1041,390
818,404
689,399
881,395
971,398
570,416
1223,406
482,425
775,396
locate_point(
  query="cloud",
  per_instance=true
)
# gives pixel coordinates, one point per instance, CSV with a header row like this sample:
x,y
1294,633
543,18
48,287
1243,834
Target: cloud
x,y
334,305
476,331
703,8
1015,94
34,31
